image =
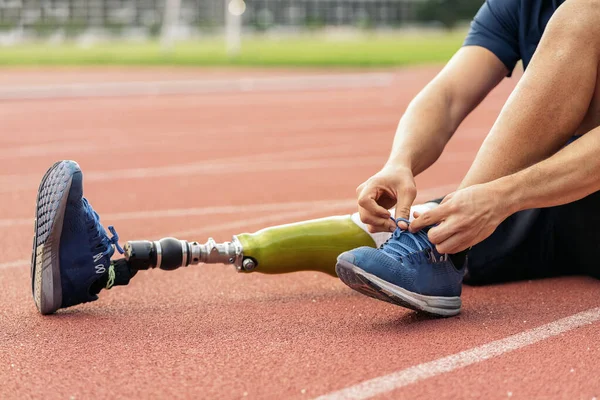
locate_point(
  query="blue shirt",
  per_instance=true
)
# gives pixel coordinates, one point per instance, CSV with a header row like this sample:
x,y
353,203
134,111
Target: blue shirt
x,y
511,29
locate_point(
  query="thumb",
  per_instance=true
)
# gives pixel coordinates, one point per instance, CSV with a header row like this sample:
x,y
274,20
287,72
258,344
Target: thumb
x,y
406,198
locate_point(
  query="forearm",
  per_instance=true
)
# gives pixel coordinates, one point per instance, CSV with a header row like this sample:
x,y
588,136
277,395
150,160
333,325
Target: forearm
x,y
472,214
549,104
434,115
424,130
567,176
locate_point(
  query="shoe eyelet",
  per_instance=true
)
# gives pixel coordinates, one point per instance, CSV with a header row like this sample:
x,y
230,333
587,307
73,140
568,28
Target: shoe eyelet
x,y
428,256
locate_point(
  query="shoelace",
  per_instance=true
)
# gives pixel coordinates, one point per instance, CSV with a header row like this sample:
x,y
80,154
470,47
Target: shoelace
x,y
114,240
404,244
111,277
100,239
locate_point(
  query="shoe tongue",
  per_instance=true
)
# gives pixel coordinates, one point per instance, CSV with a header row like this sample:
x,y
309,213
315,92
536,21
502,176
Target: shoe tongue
x,y
411,239
102,236
394,248
406,240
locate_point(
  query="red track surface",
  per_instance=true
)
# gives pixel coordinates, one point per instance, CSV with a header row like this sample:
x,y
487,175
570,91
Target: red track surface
x,y
208,332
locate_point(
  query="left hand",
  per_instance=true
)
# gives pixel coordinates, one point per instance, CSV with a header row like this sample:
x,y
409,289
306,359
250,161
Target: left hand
x,y
465,218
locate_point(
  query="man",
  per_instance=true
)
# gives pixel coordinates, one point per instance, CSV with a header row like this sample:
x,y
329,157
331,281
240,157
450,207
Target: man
x,y
522,209
522,164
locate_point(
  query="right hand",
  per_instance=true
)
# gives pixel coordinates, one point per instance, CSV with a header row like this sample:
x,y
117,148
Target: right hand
x,y
392,186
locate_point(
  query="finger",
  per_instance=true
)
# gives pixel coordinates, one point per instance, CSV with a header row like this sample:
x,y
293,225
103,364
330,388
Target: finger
x,y
367,218
443,231
406,198
368,201
430,217
454,244
379,228
360,188
375,223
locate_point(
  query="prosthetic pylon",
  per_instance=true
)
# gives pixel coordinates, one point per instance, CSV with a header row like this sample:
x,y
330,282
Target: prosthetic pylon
x,y
304,246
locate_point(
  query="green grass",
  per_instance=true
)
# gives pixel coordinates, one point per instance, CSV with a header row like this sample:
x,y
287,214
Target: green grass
x,y
367,50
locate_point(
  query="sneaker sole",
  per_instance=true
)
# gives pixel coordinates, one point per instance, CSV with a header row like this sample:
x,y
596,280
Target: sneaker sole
x,y
375,287
50,210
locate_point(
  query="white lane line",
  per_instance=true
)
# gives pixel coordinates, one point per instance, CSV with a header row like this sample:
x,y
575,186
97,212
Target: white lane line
x,y
233,167
405,377
200,211
206,168
227,132
114,138
13,264
223,164
12,183
267,219
157,88
245,158
425,194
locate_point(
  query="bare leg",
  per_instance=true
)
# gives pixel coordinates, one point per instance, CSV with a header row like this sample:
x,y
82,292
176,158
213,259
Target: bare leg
x,y
558,96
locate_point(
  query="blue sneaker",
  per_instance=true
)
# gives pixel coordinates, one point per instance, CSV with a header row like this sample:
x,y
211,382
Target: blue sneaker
x,y
407,271
71,250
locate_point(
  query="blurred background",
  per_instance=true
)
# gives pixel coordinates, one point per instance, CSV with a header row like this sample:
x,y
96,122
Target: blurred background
x,y
232,32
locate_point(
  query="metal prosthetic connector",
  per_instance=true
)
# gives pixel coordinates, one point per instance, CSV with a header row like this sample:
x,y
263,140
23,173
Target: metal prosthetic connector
x,y
170,253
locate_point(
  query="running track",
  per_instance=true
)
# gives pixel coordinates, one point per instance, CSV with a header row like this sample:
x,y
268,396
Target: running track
x,y
251,150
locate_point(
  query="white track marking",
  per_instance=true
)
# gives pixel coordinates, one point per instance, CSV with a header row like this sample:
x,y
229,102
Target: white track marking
x,y
267,219
13,264
157,88
205,168
425,194
200,211
212,168
11,183
21,181
118,143
408,376
48,149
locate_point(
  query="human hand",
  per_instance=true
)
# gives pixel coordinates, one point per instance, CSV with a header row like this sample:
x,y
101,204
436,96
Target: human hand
x,y
465,217
392,186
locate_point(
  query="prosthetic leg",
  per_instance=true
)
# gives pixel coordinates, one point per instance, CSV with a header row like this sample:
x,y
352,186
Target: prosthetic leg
x,y
304,246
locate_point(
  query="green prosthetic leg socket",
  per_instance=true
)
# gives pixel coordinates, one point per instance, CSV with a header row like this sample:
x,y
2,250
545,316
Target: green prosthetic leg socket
x,y
304,246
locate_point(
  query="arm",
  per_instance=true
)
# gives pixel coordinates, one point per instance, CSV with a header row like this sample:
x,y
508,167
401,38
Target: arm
x,y
470,215
490,52
567,176
551,101
428,124
436,112
557,97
